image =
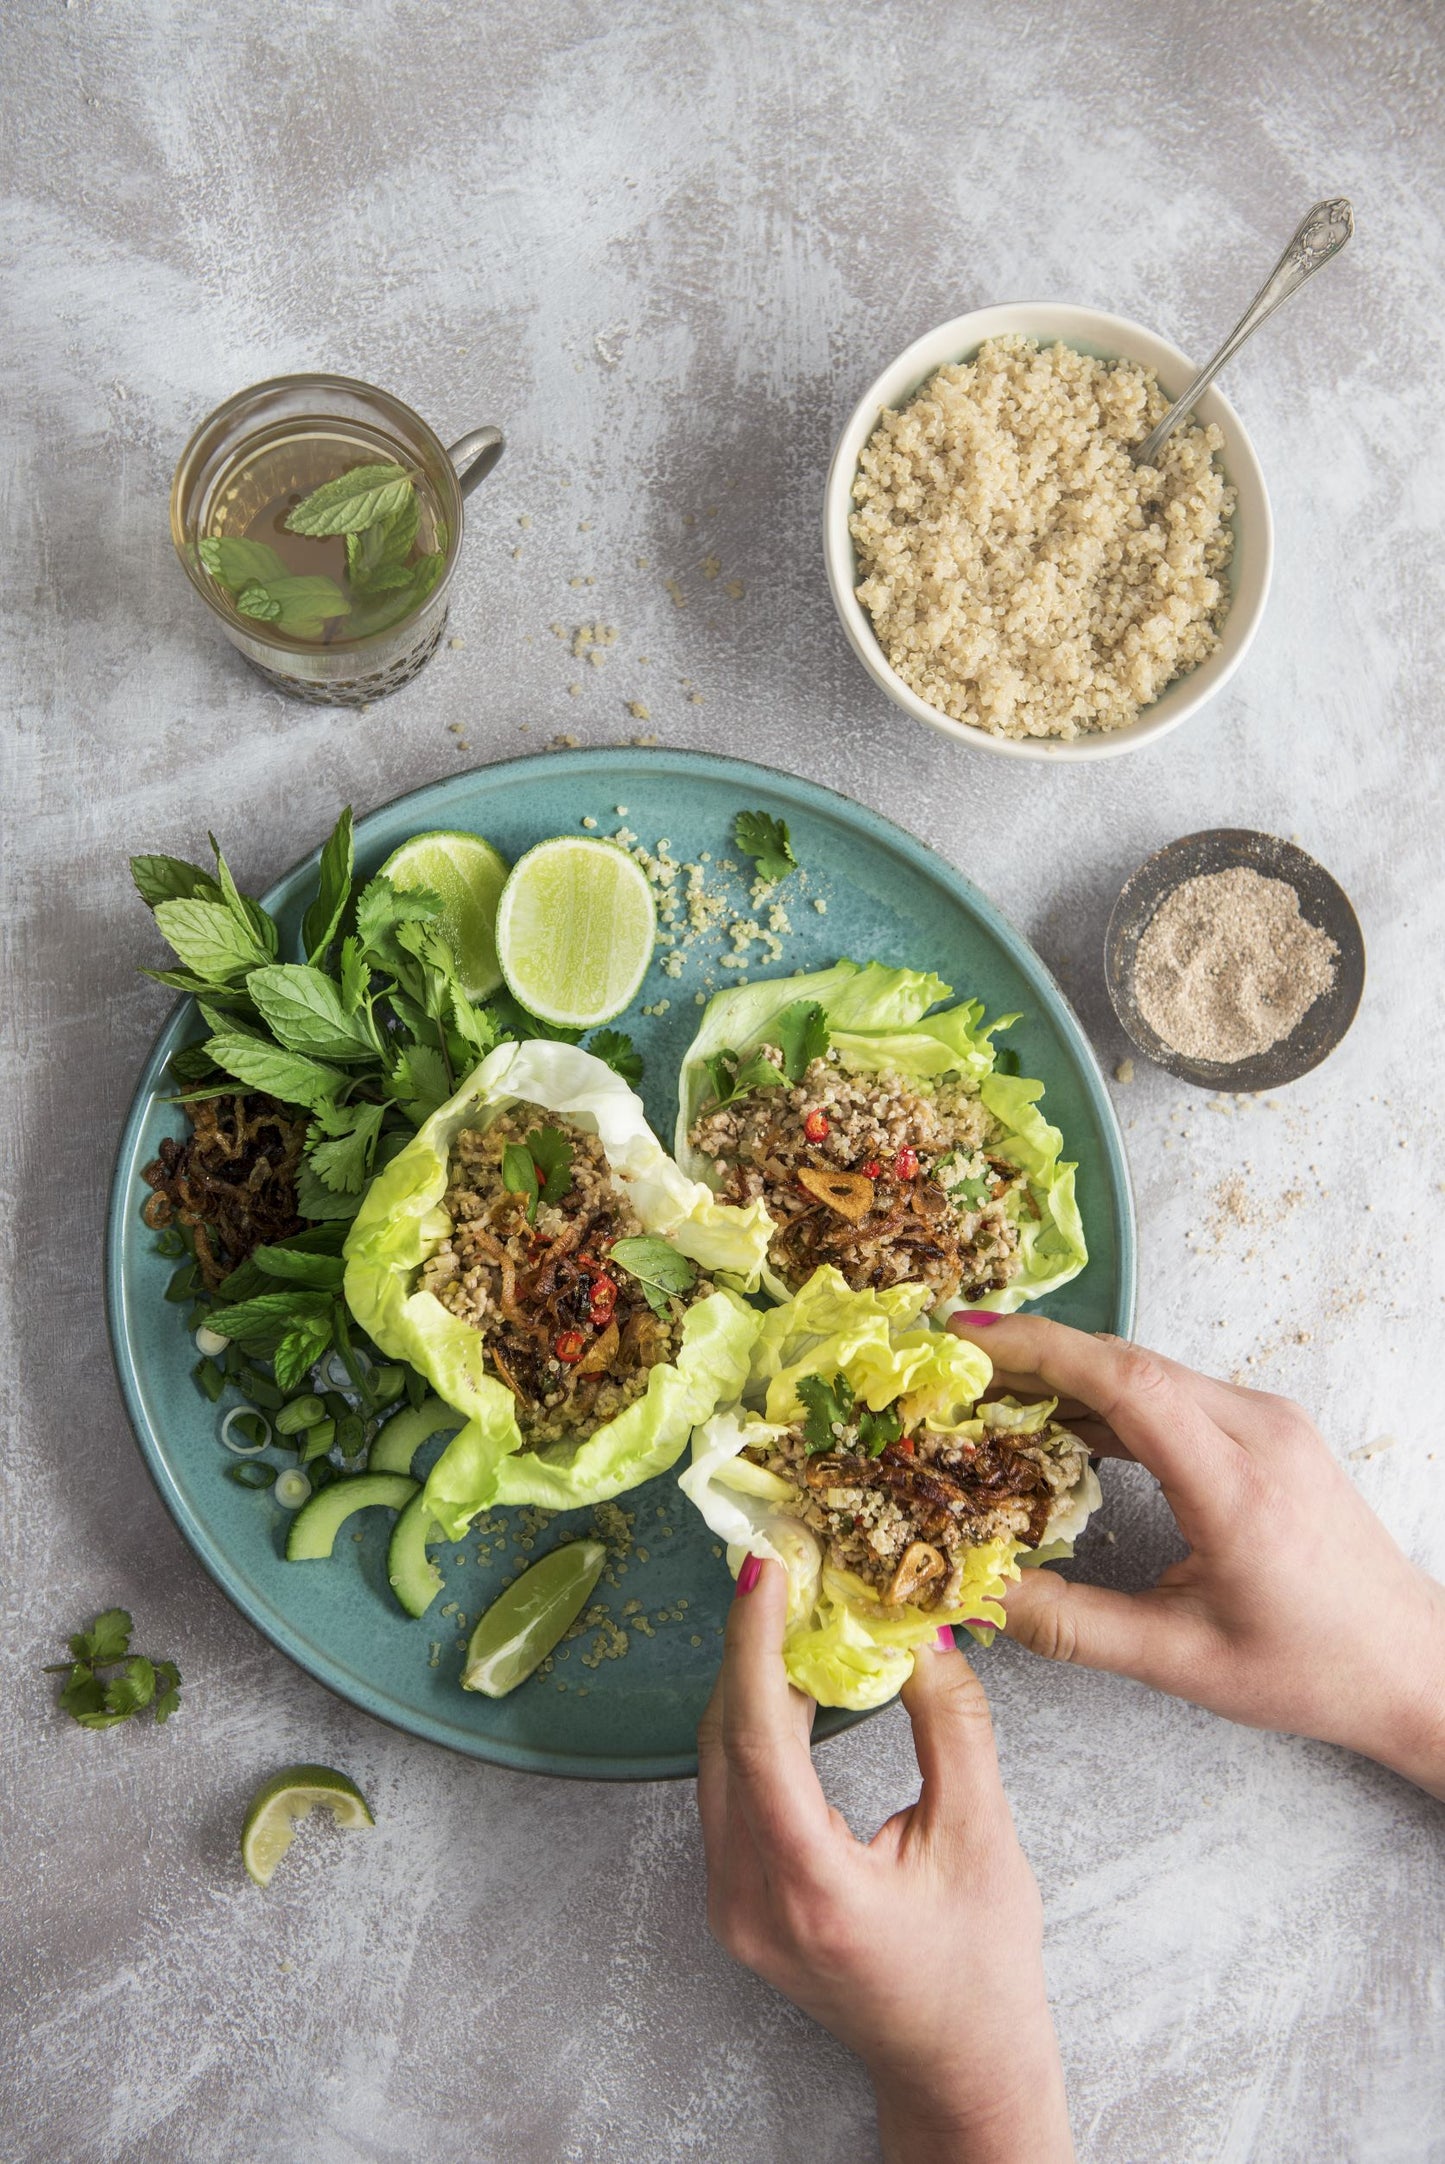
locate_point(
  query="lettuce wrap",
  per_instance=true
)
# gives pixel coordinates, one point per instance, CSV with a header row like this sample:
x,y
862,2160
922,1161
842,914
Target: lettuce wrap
x,y
878,1022
403,1223
884,1368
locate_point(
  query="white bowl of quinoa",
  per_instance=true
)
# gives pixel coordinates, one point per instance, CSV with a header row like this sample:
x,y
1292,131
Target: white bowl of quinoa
x,y
1002,569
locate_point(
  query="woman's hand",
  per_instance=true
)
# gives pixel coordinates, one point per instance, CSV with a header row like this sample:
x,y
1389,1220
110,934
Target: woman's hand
x,y
922,1948
1294,1608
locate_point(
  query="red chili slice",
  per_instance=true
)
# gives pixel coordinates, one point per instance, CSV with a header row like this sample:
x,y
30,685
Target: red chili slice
x,y
905,1164
872,1170
815,1126
905,1446
569,1346
604,1300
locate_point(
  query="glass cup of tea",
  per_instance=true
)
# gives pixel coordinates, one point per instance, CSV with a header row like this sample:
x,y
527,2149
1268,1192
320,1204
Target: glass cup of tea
x,y
321,521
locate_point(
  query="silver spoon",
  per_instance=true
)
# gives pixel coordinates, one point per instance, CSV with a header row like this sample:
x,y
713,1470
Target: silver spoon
x,y
1322,233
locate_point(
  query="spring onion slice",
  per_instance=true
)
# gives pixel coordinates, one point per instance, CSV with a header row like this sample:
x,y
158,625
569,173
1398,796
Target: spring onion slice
x,y
291,1488
242,1423
210,1342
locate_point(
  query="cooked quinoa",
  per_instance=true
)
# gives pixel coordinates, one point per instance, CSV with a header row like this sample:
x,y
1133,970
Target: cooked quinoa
x,y
890,1181
531,1290
1021,572
904,1520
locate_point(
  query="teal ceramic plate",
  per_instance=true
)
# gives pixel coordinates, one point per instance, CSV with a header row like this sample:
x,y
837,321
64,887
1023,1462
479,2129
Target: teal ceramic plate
x,y
633,1716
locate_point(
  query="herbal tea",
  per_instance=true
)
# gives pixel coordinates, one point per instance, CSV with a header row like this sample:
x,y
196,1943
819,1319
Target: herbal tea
x,y
325,533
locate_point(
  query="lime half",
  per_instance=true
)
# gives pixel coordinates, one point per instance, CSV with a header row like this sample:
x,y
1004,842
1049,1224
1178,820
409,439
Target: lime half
x,y
469,875
280,1804
575,931
520,1629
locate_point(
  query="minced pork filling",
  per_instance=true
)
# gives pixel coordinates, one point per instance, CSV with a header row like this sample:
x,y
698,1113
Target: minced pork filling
x,y
904,1520
890,1184
570,1333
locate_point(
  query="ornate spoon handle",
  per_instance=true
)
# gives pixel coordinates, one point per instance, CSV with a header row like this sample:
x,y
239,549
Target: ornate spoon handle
x,y
1322,233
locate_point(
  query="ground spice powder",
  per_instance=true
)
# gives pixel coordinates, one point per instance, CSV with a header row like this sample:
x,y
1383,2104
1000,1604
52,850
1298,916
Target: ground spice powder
x,y
1227,966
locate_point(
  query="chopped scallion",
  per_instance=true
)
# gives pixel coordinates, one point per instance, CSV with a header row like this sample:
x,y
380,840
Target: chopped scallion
x,y
212,1380
249,1476
299,1413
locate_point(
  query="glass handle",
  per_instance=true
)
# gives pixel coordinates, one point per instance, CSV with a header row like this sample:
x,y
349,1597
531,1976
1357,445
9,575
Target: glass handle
x,y
475,455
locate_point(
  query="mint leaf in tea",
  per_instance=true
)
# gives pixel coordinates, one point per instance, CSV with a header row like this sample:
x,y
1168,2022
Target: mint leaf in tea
x,y
355,553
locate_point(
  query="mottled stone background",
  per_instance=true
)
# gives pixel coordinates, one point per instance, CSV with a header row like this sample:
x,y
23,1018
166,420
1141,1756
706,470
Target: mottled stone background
x,y
665,247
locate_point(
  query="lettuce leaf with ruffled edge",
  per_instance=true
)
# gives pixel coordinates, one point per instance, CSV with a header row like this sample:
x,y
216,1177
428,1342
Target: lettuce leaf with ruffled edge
x,y
842,1644
879,1021
402,1222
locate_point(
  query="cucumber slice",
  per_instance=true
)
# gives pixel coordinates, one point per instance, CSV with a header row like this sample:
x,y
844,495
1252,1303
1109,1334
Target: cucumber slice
x,y
406,1431
317,1523
415,1579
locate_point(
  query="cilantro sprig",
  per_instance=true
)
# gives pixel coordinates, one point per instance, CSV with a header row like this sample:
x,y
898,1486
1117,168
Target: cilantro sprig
x,y
539,1168
98,1698
658,1268
766,840
832,1411
799,1032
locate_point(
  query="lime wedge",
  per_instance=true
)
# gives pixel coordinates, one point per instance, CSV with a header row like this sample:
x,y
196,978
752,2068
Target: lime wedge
x,y
280,1804
575,930
469,875
520,1629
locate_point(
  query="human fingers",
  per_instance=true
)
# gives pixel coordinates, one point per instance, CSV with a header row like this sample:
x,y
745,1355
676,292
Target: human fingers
x,y
1158,1421
764,1724
1230,1404
1143,1635
952,1740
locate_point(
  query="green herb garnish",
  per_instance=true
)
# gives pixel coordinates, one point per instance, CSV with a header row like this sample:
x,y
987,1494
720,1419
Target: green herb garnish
x,y
367,496
829,1408
766,840
100,1701
539,1168
801,1034
733,1077
657,1266
614,1046
877,1430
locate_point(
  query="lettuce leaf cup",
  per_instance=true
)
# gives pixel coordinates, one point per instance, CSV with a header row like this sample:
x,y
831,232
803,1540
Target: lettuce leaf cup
x,y
884,1141
860,1459
539,1258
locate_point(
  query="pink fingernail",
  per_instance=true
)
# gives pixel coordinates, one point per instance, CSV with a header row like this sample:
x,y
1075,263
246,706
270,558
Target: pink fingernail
x,y
749,1575
944,1640
977,1318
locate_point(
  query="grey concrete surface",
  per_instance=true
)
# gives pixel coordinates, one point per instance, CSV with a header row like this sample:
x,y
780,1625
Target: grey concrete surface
x,y
665,247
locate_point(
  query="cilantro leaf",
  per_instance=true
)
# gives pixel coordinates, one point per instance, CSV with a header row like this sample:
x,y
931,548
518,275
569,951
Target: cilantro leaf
x,y
108,1638
355,974
877,1430
766,840
512,1020
657,1266
333,890
353,501
732,1077
419,1081
168,1690
519,1176
614,1046
829,1405
381,907
972,1194
343,1162
97,1702
316,1201
801,1034
552,1156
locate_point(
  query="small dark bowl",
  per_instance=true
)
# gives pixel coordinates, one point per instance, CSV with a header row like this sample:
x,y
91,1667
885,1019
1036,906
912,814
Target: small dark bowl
x,y
1323,902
